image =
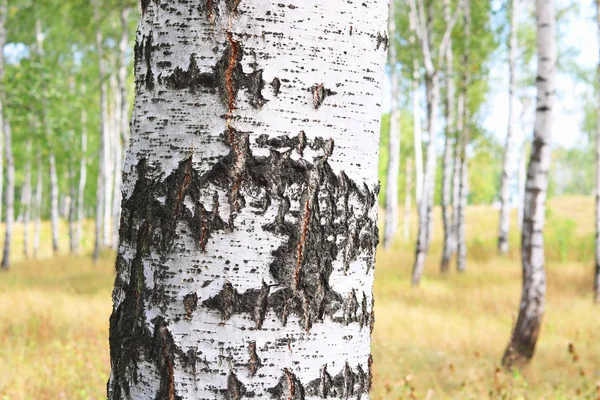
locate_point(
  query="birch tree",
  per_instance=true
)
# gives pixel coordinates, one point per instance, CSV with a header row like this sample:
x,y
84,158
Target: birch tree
x,y
9,198
38,204
26,202
525,334
507,165
449,242
407,199
463,179
82,181
250,202
424,33
391,192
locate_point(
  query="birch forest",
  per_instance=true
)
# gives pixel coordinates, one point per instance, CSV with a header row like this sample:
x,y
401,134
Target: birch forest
x,y
299,199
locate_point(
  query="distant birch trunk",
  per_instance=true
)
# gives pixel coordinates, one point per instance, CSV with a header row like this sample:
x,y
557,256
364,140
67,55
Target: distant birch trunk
x,y
407,199
508,164
393,166
423,28
26,201
53,201
38,204
72,208
82,181
524,338
449,242
416,105
102,157
597,273
9,196
248,234
117,168
3,17
463,191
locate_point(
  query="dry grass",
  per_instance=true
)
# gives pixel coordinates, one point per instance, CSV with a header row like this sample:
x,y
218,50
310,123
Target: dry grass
x,y
443,340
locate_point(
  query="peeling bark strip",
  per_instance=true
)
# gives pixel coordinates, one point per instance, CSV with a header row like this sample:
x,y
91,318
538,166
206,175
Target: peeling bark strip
x,y
248,229
533,296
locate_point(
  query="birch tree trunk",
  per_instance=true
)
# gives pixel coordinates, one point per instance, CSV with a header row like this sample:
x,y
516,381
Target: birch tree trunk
x,y
408,199
82,181
53,201
250,202
461,241
38,205
9,195
391,193
597,273
416,103
522,344
72,209
102,157
26,202
507,165
448,148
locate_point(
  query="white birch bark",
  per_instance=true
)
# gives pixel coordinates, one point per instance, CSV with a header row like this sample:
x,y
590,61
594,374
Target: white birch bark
x,y
525,334
407,199
508,163
82,182
38,205
449,110
102,157
393,167
522,181
248,235
117,168
53,201
72,208
26,202
416,104
597,253
9,198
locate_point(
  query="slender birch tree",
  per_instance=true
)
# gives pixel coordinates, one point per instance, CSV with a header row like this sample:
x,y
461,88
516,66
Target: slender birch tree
x,y
38,204
250,202
26,202
508,163
424,31
9,198
465,134
525,334
407,199
393,166
82,181
449,110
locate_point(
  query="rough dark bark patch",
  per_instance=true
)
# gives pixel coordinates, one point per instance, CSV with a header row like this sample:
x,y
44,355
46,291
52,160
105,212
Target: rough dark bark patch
x,y
143,53
303,264
319,94
254,362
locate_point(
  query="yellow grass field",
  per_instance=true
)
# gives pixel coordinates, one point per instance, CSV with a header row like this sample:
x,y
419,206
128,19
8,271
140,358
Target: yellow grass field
x,y
443,340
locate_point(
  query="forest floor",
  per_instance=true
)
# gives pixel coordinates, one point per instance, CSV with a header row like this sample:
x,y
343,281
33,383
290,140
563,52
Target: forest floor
x,y
442,340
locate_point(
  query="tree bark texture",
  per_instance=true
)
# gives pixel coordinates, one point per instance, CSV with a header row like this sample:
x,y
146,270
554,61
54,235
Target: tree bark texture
x,y
249,223
449,110
508,163
9,198
531,310
393,166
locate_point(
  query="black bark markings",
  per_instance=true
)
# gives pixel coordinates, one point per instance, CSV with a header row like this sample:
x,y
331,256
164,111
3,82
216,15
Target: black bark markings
x,y
346,383
143,53
319,94
326,228
254,362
